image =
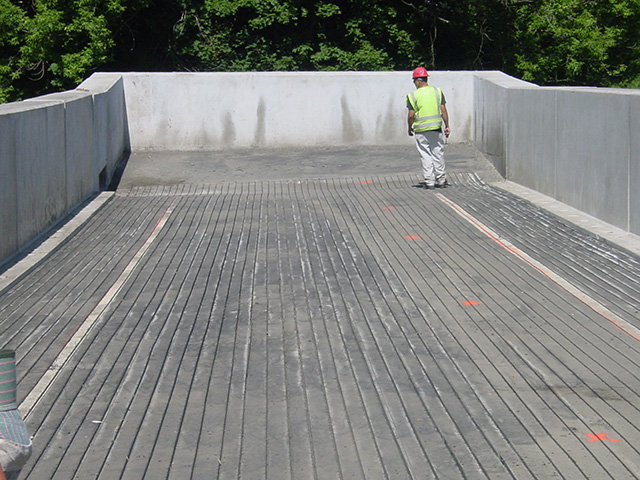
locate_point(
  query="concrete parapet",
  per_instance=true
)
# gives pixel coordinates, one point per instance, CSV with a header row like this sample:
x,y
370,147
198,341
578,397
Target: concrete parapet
x,y
491,108
53,151
110,130
8,184
634,164
77,130
576,145
592,153
33,157
530,130
212,111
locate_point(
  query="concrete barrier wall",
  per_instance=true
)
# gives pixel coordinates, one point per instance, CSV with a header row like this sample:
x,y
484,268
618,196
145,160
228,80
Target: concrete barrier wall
x,y
634,164
592,159
584,153
577,145
8,185
531,139
34,147
110,130
72,146
52,151
58,149
491,109
212,111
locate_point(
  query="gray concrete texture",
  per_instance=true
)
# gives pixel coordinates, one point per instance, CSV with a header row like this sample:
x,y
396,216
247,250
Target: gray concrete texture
x,y
578,146
491,109
315,314
32,144
78,173
593,173
237,165
52,152
177,112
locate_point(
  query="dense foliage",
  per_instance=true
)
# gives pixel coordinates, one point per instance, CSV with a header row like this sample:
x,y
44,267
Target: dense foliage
x,y
588,42
48,45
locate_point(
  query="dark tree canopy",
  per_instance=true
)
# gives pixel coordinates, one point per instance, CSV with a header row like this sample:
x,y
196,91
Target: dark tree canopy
x,y
50,45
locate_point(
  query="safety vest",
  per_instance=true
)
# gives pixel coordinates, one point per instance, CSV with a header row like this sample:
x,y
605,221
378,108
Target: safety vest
x,y
426,104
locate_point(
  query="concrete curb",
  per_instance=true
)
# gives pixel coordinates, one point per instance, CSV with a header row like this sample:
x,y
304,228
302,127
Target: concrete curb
x,y
605,231
29,256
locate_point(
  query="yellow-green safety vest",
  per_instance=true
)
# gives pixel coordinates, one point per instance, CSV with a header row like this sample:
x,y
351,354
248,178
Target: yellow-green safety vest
x,y
426,104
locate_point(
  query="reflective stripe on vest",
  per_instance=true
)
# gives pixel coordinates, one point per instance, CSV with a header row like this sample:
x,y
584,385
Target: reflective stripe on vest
x,y
428,113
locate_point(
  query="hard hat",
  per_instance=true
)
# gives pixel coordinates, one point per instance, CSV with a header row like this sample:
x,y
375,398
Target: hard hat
x,y
420,72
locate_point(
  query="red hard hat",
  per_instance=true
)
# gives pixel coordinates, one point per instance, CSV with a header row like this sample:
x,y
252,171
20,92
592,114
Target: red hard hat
x,y
420,72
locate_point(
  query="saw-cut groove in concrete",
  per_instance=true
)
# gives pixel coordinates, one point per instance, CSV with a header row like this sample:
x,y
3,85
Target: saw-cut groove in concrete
x,y
348,326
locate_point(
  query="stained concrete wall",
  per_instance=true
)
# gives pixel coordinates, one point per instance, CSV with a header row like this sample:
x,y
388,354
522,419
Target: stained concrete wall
x,y
634,164
56,150
211,111
52,151
577,145
592,153
110,130
72,145
33,158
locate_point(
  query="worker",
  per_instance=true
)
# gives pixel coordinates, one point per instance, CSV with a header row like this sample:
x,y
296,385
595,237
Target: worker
x,y
15,443
427,112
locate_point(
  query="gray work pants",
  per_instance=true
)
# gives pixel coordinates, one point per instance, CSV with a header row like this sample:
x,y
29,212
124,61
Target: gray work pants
x,y
430,145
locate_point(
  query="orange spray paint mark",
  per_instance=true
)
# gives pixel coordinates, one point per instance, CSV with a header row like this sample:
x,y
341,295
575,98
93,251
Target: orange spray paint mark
x,y
595,437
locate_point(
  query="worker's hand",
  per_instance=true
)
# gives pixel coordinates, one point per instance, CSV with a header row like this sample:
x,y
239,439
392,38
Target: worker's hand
x,y
410,132
447,131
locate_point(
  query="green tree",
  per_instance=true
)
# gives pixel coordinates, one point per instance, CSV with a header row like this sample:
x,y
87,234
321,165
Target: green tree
x,y
626,52
474,34
144,36
292,35
576,42
49,45
478,35
12,21
550,42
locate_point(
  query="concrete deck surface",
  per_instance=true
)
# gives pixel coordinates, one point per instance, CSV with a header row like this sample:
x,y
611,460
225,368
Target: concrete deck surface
x,y
316,314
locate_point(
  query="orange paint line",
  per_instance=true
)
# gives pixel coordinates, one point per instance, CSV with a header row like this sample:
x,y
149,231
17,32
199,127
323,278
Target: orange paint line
x,y
412,237
471,302
387,208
